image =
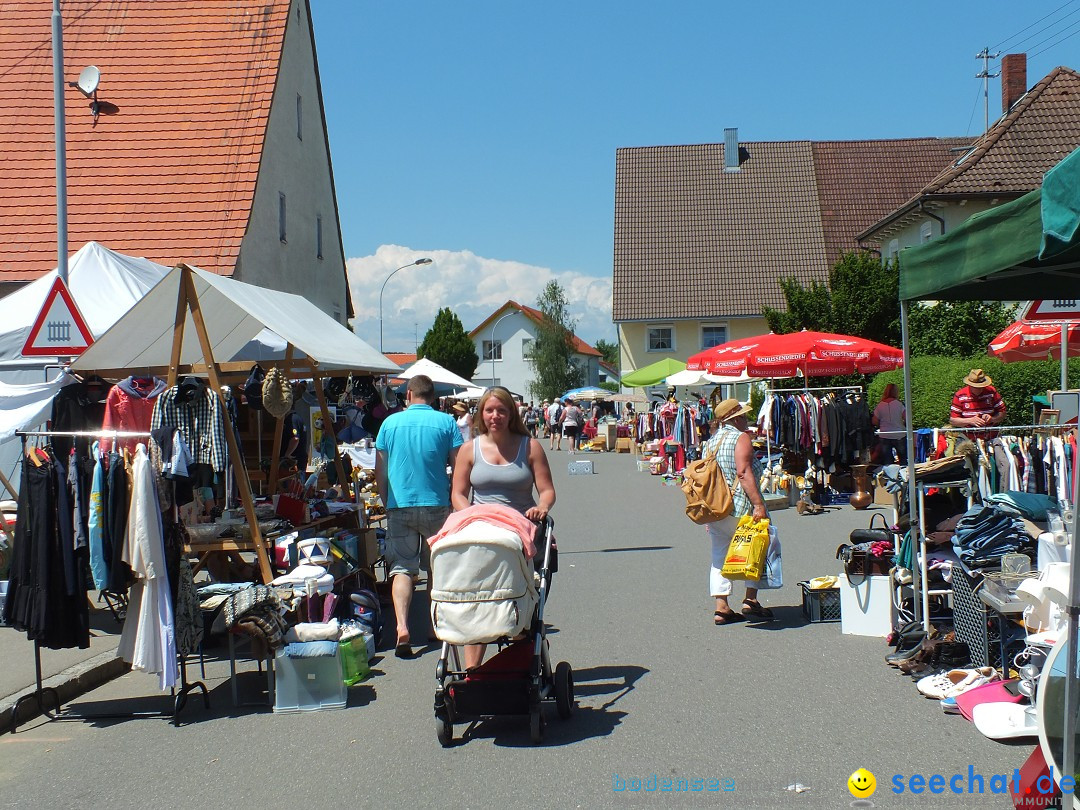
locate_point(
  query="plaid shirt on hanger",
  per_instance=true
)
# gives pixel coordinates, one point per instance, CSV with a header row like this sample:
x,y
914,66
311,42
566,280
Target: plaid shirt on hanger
x,y
202,423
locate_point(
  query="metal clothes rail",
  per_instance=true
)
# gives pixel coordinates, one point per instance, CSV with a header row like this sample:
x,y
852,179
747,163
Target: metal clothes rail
x,y
38,696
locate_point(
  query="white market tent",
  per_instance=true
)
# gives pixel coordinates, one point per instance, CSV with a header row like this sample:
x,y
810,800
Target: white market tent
x,y
234,313
191,318
438,374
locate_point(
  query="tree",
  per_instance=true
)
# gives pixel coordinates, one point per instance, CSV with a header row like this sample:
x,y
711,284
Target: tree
x,y
862,299
609,351
552,353
448,344
956,328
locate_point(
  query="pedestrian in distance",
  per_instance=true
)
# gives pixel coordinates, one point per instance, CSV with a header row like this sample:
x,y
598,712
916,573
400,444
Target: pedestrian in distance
x,y
890,420
555,425
572,420
413,450
734,452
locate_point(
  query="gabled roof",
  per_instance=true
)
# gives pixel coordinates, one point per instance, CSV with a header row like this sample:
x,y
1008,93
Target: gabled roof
x,y
580,346
186,90
403,359
1040,130
694,241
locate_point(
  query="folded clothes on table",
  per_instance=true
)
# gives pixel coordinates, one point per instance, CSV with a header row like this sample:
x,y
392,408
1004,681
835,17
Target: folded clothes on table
x,y
311,649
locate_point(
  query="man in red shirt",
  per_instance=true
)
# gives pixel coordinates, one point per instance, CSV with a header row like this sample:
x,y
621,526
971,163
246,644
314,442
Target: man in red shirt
x,y
977,404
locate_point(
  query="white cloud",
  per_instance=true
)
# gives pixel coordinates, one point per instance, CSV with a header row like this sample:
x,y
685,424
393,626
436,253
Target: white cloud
x,y
470,285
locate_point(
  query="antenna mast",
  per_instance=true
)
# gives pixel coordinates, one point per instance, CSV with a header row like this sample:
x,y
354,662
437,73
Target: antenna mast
x,y
986,76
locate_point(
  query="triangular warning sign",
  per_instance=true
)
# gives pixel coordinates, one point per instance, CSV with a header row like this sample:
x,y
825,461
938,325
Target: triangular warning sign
x,y
59,329
1067,309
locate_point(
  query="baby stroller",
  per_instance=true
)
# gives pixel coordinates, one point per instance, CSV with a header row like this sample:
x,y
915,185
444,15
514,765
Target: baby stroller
x,y
483,590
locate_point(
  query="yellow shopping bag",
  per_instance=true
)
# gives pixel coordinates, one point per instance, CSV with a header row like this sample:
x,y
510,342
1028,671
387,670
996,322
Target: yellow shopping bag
x,y
746,554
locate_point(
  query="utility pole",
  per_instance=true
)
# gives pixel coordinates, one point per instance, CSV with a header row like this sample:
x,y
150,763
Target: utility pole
x,y
986,76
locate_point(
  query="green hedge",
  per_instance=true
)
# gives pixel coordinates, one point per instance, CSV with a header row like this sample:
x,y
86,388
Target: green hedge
x,y
936,379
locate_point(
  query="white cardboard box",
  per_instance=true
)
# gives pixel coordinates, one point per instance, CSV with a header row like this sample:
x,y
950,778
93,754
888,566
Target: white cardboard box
x,y
865,605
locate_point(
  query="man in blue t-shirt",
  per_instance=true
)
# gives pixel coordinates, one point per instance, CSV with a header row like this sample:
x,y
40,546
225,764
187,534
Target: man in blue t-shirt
x,y
413,449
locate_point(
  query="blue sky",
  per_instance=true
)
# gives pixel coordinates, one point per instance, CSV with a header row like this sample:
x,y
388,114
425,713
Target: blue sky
x,y
483,134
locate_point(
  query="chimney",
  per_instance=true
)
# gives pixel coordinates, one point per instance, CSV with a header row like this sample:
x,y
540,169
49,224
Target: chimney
x,y
731,149
1013,79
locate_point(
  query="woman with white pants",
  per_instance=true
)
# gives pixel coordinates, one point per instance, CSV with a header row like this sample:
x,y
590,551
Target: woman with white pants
x,y
734,452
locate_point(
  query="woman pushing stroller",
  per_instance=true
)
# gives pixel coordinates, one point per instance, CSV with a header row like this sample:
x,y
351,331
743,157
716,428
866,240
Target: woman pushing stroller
x,y
501,465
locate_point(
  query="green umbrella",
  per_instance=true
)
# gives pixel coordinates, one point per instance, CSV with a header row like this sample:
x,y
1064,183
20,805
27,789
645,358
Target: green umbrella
x,y
653,373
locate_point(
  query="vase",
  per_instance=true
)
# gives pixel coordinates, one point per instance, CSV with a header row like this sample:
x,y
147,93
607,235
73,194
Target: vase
x,y
862,497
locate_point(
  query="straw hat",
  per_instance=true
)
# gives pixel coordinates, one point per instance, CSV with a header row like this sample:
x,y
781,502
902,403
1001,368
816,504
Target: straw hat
x,y
459,407
977,378
728,409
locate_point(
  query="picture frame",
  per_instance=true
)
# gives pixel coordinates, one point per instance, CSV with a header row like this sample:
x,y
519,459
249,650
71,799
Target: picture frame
x,y
1049,416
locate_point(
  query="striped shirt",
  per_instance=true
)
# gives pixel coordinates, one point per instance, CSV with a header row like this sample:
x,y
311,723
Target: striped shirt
x,y
722,445
968,402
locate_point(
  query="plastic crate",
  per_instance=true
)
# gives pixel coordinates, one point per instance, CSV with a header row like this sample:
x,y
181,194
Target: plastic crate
x,y
308,684
975,626
820,605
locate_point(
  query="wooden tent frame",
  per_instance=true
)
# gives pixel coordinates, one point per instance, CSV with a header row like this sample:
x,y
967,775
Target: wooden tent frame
x,y
188,301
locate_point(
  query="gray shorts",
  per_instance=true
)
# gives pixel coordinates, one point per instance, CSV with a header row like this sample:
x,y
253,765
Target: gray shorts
x,y
406,529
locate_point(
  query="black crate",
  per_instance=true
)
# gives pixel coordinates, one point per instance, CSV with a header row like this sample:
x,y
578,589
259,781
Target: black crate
x,y
821,605
975,624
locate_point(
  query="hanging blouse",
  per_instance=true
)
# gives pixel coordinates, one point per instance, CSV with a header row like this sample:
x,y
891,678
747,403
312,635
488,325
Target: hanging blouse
x,y
129,408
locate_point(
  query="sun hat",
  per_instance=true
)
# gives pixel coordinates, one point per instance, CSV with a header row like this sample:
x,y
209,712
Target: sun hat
x,y
977,378
729,409
459,407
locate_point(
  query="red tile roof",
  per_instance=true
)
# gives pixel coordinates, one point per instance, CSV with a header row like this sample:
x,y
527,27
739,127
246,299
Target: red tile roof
x,y
693,241
401,358
1040,131
168,170
580,346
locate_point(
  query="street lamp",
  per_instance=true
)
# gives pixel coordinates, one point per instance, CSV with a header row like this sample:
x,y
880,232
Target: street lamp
x,y
507,315
383,287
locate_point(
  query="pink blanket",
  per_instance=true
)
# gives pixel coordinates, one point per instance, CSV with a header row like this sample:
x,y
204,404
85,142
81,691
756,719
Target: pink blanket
x,y
496,514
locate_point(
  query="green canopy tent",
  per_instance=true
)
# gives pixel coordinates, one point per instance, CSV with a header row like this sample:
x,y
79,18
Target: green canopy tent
x,y
653,373
1026,248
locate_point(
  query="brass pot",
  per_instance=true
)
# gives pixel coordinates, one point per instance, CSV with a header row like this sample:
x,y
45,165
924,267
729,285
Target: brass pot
x,y
862,496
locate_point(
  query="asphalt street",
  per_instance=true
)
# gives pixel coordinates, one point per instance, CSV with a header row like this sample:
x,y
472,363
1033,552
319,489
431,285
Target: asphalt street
x,y
661,692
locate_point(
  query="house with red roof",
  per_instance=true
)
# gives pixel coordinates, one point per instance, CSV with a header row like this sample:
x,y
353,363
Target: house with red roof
x,y
1038,128
504,338
205,142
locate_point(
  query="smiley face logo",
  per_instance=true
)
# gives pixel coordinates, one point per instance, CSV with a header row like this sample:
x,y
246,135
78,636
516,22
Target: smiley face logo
x,y
862,784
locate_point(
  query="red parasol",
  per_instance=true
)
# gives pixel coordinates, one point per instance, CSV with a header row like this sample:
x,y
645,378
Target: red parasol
x,y
1034,340
814,354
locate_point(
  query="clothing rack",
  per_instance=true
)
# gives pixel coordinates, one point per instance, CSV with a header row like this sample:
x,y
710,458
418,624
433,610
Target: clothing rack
x,y
178,697
804,390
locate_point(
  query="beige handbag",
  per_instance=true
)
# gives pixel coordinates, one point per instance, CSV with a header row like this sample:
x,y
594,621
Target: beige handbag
x,y
277,394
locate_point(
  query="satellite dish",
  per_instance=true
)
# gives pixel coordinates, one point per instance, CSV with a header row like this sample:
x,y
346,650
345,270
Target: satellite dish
x,y
88,80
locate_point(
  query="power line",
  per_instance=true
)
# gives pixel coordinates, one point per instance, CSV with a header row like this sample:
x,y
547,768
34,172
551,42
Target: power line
x,y
1047,28
1022,30
1055,44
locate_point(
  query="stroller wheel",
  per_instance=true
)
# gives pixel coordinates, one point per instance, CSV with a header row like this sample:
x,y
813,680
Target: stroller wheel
x,y
536,724
564,690
444,730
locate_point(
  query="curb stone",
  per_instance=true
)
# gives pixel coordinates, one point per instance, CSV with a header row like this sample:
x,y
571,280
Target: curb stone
x,y
73,682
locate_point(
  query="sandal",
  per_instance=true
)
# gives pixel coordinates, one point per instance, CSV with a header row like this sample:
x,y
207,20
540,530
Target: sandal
x,y
752,607
721,618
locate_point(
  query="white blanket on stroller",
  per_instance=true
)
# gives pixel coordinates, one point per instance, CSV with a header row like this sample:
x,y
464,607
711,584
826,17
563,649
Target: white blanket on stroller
x,y
482,586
